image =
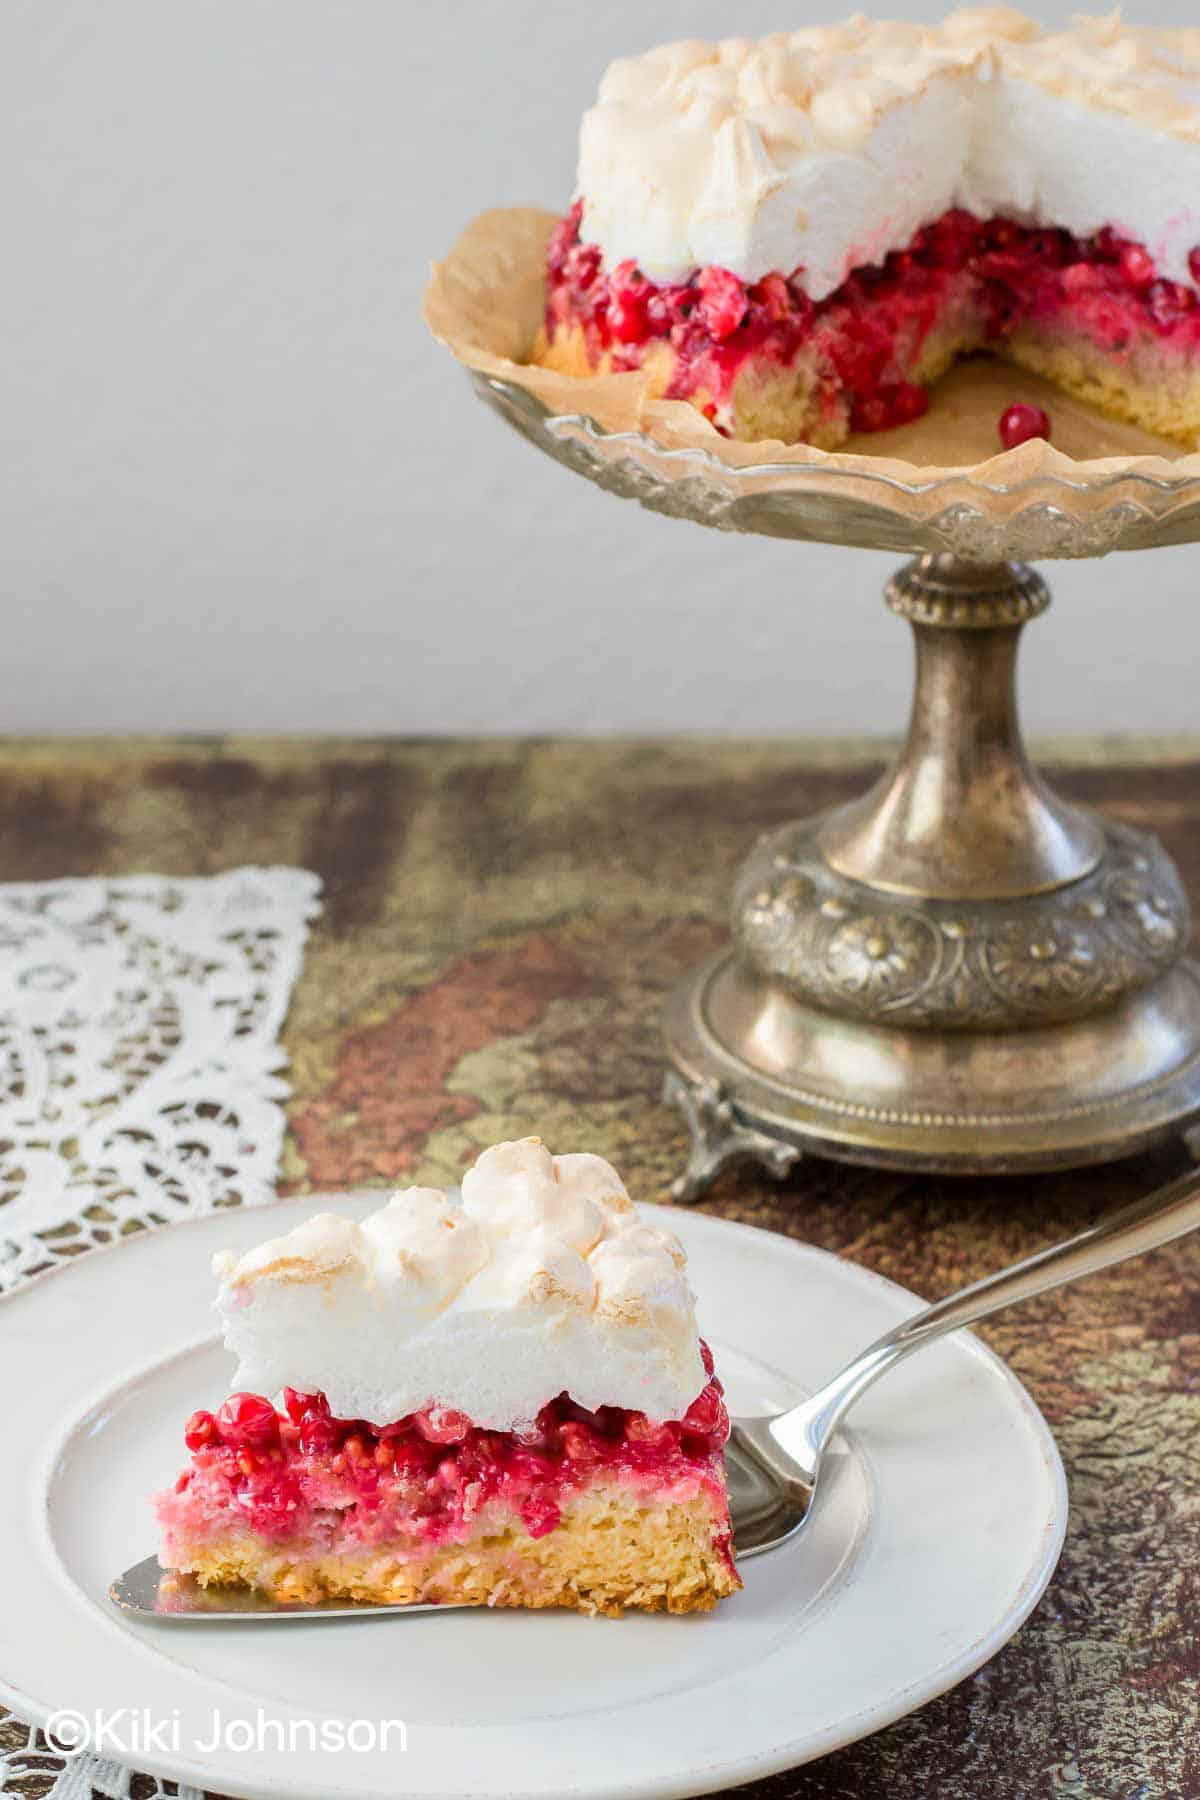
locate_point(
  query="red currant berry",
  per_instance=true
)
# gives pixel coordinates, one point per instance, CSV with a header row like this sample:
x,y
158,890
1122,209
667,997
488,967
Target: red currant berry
x,y
1137,266
1019,423
629,291
410,1458
711,1433
1167,303
626,321
723,302
581,265
703,1415
200,1430
578,1442
318,1436
772,291
298,1406
626,282
248,1421
442,1425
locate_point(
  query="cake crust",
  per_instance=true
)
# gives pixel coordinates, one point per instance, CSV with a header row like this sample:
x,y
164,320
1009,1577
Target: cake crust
x,y
607,1553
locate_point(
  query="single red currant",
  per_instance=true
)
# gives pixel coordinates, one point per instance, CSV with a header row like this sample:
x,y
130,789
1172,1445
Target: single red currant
x,y
629,290
442,1425
1019,423
248,1421
1137,266
579,1443
318,1436
711,1428
1105,246
772,291
723,302
704,1414
200,1431
581,265
626,321
1167,302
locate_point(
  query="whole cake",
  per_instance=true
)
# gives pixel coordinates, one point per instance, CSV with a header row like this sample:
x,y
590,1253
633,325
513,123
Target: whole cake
x,y
503,1402
798,235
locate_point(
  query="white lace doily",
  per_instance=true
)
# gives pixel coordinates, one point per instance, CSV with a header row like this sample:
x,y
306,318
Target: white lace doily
x,y
139,1083
34,1765
139,1052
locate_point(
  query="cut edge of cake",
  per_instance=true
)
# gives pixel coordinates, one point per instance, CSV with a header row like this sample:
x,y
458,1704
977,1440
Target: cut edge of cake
x,y
610,1550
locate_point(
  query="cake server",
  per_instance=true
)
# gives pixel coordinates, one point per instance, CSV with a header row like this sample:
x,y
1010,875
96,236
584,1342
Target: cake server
x,y
773,1463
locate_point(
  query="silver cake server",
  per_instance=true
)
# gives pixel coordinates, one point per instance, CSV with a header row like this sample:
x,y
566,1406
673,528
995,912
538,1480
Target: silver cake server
x,y
773,1464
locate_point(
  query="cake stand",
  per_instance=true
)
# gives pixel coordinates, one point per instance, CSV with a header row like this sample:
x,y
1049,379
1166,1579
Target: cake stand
x,y
959,971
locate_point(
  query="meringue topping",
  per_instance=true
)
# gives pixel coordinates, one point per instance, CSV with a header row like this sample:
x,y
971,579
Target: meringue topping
x,y
544,1279
826,148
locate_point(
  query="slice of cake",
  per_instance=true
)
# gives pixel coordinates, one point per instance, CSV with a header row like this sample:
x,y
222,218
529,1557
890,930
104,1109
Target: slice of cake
x,y
503,1402
799,235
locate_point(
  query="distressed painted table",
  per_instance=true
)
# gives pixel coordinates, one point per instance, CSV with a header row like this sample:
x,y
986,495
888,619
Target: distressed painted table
x,y
502,923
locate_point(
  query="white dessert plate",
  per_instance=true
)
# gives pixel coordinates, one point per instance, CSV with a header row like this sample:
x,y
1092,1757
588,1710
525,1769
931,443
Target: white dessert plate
x,y
939,1528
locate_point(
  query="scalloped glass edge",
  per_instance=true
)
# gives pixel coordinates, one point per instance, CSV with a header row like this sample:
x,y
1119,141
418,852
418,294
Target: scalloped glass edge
x,y
1046,514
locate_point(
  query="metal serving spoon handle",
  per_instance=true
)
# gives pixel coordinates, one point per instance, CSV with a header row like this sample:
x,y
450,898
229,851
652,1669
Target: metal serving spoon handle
x,y
792,1444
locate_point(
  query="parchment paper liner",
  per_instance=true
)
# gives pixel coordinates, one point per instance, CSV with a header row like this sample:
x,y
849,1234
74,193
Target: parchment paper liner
x,y
485,303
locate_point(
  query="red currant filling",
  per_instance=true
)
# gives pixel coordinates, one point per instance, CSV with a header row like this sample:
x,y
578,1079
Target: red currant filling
x,y
301,1471
869,333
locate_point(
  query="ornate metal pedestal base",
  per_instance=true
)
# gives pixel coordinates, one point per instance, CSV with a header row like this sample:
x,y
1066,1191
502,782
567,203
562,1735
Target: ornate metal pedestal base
x,y
719,1139
959,971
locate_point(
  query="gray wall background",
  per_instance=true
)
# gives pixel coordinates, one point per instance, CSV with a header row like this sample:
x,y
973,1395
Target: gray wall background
x,y
241,489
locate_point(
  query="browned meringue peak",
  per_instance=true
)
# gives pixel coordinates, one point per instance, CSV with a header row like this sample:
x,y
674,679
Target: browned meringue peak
x,y
1143,72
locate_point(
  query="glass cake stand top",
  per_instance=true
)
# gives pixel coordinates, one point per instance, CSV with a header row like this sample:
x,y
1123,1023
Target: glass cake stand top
x,y
960,970
1048,515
